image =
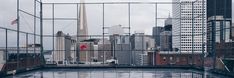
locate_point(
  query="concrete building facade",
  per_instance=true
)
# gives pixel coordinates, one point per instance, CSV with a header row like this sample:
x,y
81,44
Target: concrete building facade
x,y
120,45
62,52
189,25
156,35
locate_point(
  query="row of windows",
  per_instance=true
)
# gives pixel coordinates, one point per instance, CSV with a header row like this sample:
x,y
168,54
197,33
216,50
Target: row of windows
x,y
182,42
190,26
191,47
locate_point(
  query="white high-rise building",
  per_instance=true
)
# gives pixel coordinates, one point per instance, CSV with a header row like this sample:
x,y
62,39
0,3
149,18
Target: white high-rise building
x,y
187,31
62,53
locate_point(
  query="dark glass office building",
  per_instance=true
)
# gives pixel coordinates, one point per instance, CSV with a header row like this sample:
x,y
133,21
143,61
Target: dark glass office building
x,y
220,8
219,23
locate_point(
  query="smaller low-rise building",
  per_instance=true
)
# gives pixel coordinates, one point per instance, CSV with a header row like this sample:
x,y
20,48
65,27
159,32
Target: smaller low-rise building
x,y
178,59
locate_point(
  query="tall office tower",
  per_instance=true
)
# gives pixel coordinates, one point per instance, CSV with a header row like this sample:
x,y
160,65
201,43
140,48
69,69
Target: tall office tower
x,y
189,24
168,24
62,52
120,45
166,41
82,30
104,50
166,36
141,44
138,48
156,34
176,23
219,14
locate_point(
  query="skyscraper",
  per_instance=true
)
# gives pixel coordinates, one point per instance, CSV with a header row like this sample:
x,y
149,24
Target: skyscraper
x,y
104,50
82,30
168,24
219,14
156,34
176,10
120,45
62,52
142,45
166,36
187,31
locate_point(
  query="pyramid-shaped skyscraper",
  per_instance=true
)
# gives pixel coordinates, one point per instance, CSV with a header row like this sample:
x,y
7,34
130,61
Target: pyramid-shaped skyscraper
x,y
82,30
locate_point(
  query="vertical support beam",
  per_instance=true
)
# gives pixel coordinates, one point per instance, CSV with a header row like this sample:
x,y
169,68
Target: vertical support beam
x,y
142,49
129,32
225,29
27,61
6,55
77,36
180,26
41,32
34,32
18,29
156,24
53,30
77,24
193,33
203,43
155,47
89,52
213,31
103,30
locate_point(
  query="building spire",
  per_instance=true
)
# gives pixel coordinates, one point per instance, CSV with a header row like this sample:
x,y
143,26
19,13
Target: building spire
x,y
83,27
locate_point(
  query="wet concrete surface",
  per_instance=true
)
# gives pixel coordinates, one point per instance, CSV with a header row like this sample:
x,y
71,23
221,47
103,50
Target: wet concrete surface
x,y
117,73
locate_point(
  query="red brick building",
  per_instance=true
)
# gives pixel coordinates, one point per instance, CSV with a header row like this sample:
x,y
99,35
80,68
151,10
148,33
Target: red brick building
x,y
178,59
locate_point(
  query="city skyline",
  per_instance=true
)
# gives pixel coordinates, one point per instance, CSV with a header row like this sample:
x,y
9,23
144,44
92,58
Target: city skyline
x,y
92,28
5,20
117,34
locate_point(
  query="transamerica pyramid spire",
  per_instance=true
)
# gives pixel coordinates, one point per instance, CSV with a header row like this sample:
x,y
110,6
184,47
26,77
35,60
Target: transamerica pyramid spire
x,y
82,26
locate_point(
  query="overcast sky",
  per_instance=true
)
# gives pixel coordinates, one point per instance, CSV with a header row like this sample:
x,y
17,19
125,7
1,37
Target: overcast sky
x,y
142,17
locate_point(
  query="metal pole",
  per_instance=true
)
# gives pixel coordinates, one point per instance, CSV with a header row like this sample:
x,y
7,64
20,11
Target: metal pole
x,y
89,52
77,37
155,47
18,28
142,49
203,44
156,24
214,37
41,32
129,32
192,33
6,55
180,27
225,29
34,36
27,50
53,30
103,30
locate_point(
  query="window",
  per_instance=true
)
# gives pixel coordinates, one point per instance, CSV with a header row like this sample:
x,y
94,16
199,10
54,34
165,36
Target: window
x,y
171,58
164,58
